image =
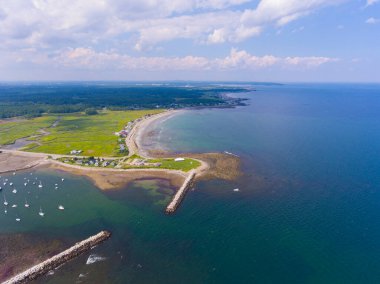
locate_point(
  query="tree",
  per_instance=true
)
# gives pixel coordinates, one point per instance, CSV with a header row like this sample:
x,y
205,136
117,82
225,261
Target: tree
x,y
91,111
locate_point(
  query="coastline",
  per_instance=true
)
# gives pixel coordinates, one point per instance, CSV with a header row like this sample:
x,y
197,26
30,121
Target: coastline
x,y
213,165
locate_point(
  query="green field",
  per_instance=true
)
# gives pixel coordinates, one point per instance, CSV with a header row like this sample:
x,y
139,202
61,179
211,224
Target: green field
x,y
186,165
11,131
165,163
93,134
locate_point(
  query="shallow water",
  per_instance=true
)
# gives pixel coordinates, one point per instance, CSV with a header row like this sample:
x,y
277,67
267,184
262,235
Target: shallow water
x,y
308,209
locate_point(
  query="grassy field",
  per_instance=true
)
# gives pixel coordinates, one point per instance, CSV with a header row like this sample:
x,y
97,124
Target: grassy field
x,y
93,134
11,131
166,163
186,165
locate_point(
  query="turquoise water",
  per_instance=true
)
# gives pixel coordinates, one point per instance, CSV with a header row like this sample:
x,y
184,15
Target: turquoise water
x,y
308,210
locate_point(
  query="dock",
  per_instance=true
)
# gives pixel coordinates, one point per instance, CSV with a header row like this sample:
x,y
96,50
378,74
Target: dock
x,y
59,259
180,194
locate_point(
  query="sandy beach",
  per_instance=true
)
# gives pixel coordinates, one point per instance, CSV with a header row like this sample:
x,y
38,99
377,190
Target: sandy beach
x,y
213,165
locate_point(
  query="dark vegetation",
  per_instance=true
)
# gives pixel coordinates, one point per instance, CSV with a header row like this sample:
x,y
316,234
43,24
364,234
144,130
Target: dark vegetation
x,y
91,111
32,100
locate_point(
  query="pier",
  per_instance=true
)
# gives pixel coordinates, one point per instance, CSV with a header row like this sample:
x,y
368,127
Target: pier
x,y
180,194
59,259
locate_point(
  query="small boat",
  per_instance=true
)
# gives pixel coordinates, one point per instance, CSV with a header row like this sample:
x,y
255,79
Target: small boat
x,y
1,188
14,205
14,191
5,202
5,211
56,187
11,183
25,184
34,182
18,219
40,185
60,207
14,173
63,179
236,190
26,204
41,213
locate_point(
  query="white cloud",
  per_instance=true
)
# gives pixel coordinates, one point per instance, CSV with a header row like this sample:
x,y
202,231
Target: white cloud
x,y
236,60
371,2
372,20
51,24
283,11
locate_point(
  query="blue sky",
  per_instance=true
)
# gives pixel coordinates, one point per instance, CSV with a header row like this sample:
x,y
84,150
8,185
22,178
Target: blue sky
x,y
262,40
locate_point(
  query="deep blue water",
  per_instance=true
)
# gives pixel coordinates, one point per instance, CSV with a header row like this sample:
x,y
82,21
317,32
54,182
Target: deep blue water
x,y
308,210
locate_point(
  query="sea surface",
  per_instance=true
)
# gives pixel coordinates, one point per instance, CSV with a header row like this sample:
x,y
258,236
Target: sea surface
x,y
308,209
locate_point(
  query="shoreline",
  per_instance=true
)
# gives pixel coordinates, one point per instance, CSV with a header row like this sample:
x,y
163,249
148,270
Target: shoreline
x,y
104,178
213,165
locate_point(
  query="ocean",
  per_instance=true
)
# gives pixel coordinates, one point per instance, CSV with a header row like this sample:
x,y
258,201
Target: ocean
x,y
308,209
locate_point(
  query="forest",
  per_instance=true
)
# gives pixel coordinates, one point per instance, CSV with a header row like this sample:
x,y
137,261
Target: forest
x,y
35,99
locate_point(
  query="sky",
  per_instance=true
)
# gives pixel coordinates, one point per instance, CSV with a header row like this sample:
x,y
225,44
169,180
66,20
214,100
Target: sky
x,y
218,40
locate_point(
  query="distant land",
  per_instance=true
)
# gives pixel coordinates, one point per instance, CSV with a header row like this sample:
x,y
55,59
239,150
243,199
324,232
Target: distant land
x,y
35,99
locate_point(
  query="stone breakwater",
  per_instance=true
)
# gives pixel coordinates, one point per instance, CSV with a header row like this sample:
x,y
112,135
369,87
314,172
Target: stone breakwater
x,y
59,259
180,194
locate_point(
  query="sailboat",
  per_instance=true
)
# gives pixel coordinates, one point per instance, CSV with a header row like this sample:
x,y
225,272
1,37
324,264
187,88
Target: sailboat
x,y
60,207
14,191
40,185
5,202
26,204
41,213
14,205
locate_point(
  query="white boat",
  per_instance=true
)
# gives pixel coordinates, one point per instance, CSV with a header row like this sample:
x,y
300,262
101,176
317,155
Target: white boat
x,y
5,202
14,191
18,219
26,204
5,211
14,173
236,190
56,187
11,183
60,207
14,205
63,179
40,185
25,184
42,214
